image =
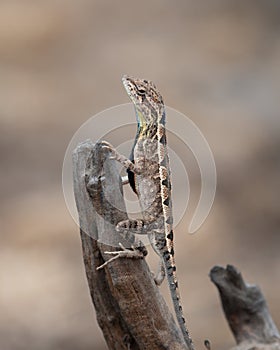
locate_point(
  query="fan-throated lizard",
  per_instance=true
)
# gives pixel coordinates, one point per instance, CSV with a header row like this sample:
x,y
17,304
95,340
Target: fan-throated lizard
x,y
149,176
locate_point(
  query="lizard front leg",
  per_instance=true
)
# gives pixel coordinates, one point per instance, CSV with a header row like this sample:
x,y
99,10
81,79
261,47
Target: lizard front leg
x,y
127,163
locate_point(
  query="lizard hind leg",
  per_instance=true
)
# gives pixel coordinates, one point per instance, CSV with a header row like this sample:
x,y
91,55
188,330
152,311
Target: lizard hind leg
x,y
134,253
137,250
135,226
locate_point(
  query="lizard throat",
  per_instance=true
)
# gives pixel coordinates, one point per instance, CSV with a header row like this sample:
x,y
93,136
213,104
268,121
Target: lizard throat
x,y
148,128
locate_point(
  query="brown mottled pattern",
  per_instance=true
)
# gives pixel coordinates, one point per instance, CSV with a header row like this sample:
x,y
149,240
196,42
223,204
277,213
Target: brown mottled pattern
x,y
152,181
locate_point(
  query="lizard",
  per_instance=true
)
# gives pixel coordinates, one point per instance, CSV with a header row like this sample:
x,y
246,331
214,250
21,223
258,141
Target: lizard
x,y
149,176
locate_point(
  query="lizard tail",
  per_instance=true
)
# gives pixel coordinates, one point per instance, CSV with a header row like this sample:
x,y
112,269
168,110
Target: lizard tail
x,y
170,271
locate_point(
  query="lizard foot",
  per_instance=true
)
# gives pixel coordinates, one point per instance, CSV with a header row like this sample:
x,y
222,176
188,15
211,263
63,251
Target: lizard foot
x,y
135,253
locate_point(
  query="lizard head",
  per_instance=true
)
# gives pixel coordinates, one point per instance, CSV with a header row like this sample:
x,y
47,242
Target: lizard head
x,y
146,98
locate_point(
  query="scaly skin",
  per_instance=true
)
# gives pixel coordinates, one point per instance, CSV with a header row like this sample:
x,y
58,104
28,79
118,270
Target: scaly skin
x,y
149,176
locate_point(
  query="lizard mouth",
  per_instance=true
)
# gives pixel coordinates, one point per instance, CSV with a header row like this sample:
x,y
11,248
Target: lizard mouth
x,y
128,84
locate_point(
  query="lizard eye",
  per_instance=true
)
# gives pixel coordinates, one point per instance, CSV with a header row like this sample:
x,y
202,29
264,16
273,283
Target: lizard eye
x,y
141,91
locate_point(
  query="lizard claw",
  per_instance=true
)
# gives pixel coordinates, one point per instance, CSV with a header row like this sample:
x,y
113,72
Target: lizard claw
x,y
107,146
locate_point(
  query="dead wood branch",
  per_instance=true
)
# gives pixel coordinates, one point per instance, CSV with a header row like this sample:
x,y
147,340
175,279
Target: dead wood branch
x,y
245,309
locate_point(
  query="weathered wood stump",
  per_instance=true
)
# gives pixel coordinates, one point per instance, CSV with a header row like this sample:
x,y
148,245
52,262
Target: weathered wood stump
x,y
245,309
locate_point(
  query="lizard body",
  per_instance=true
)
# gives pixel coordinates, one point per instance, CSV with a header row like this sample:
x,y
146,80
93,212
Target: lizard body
x,y
149,176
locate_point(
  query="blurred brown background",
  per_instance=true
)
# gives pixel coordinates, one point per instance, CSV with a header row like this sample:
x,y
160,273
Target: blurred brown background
x,y
61,62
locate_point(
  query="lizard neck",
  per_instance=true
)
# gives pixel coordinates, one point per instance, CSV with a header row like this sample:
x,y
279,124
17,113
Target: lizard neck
x,y
148,125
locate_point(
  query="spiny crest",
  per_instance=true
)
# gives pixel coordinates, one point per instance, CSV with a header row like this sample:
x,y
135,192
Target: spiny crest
x,y
146,98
